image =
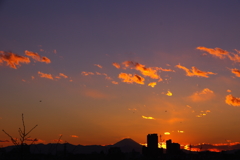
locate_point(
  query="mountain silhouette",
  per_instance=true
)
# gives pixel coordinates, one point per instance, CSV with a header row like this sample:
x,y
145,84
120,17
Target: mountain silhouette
x,y
128,145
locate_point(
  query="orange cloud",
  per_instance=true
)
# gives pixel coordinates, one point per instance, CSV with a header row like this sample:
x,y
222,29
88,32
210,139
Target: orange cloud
x,y
45,75
169,93
152,84
104,74
37,57
203,113
144,117
234,57
167,133
165,70
229,90
234,101
63,75
236,72
217,52
129,78
13,60
74,136
35,140
57,140
205,94
150,72
114,82
98,65
116,65
194,72
87,73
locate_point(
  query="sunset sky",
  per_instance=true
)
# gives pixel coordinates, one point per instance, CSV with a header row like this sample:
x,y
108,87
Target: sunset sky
x,y
100,71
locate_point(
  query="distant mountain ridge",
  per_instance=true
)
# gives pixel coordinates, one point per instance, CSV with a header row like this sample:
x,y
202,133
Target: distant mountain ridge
x,y
126,145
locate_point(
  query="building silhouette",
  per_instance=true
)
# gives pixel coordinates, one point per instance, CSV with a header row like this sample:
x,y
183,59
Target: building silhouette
x,y
152,149
172,148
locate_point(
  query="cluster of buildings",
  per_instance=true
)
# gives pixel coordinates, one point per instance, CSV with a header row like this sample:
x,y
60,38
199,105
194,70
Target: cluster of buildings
x,y
153,150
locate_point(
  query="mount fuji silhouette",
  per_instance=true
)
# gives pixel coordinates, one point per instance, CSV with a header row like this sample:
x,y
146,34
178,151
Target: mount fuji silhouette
x,y
126,145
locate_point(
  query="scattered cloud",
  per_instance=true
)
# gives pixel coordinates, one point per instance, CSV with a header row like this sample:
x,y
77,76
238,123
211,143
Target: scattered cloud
x,y
13,60
167,133
37,57
203,113
74,136
98,65
129,78
116,65
222,54
57,140
150,72
236,72
217,52
63,75
180,131
204,95
114,82
165,70
234,101
234,57
45,75
217,147
229,90
195,71
152,84
144,117
87,73
169,93
35,140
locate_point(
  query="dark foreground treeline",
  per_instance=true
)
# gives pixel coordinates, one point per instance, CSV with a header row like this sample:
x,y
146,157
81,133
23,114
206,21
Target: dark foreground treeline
x,y
113,153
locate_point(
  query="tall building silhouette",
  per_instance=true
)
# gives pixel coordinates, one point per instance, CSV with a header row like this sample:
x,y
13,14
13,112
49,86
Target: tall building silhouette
x,y
152,149
152,141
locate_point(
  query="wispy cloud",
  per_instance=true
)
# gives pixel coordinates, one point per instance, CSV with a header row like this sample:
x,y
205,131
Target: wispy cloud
x,y
195,72
13,60
144,117
129,78
45,75
236,72
98,65
63,75
87,73
74,136
116,65
217,52
234,101
222,54
114,82
37,57
205,94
